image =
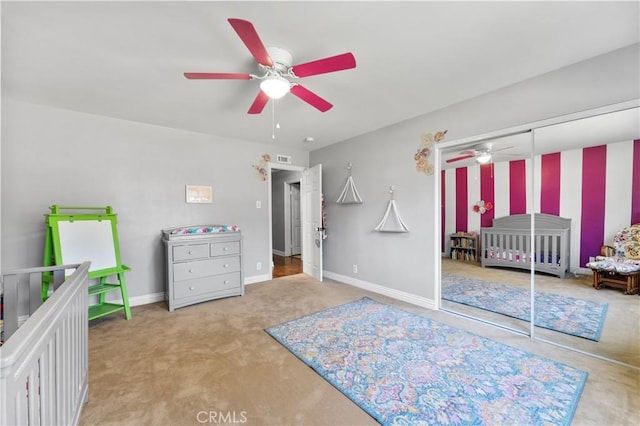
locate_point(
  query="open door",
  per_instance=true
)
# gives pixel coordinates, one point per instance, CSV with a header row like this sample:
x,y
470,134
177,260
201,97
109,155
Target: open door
x,y
312,230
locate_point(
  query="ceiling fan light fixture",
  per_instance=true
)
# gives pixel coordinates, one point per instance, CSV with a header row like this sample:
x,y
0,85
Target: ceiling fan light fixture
x,y
484,158
275,87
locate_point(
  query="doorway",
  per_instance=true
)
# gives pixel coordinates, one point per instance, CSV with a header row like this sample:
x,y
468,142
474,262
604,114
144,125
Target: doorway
x,y
286,222
311,213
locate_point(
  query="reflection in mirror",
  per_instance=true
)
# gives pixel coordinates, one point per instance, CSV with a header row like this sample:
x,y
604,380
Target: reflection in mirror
x,y
585,173
581,179
483,181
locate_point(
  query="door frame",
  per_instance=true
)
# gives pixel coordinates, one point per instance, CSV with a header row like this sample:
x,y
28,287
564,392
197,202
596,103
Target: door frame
x,y
276,166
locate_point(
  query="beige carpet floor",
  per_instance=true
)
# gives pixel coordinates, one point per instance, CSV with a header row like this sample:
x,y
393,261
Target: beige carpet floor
x,y
620,339
213,363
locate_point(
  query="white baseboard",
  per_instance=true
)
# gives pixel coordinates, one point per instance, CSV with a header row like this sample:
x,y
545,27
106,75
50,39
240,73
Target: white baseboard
x,y
146,299
159,297
386,291
256,279
581,271
279,253
142,300
365,285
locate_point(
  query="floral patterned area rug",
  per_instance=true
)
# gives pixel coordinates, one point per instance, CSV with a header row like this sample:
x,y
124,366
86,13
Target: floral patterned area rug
x,y
569,315
405,369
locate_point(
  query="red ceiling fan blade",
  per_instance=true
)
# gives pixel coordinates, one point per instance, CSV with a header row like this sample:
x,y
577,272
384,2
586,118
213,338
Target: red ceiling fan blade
x,y
462,157
321,66
311,98
216,76
250,37
258,104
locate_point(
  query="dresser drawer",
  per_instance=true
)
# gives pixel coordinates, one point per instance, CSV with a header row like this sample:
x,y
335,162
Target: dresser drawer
x,y
205,268
190,252
200,286
222,249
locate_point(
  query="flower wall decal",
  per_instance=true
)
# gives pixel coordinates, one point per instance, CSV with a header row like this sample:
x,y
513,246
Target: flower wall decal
x,y
422,156
482,206
261,167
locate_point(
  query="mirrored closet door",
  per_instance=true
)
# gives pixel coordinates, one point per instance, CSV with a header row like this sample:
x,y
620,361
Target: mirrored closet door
x,y
546,200
485,181
588,183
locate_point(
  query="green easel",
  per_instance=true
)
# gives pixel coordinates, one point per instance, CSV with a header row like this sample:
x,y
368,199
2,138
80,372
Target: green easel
x,y
77,236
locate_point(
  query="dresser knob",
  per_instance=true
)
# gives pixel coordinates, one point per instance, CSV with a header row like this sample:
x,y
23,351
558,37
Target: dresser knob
x,y
192,288
225,266
226,281
191,271
189,252
225,249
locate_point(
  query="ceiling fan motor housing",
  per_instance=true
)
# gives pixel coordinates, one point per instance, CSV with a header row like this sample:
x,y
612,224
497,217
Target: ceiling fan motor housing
x,y
281,58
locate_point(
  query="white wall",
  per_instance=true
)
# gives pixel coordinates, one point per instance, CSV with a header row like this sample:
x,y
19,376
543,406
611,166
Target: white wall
x,y
54,156
403,264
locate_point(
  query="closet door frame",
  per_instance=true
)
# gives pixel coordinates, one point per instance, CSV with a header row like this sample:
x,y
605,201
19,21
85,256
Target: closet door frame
x,y
529,127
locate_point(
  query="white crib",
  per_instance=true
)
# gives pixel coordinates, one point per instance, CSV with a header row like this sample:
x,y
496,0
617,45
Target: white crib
x,y
44,363
508,243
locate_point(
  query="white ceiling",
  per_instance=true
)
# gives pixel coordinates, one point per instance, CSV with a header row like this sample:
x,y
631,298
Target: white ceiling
x,y
126,59
617,126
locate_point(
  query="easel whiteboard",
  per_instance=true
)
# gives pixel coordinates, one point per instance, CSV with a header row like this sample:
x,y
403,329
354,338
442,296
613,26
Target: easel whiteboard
x,y
92,240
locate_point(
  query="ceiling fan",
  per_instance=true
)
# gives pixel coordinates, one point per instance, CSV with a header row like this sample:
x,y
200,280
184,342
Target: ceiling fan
x,y
483,153
276,66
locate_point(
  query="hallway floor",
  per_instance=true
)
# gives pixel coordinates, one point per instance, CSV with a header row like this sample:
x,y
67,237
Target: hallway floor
x,y
284,266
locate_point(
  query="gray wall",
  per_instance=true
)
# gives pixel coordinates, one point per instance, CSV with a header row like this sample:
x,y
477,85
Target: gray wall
x,y
278,204
403,264
54,156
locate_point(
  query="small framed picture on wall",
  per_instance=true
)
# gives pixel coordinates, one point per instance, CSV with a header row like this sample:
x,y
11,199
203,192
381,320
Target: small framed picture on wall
x,y
198,194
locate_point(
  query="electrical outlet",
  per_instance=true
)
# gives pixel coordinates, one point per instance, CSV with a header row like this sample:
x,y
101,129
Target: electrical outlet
x,y
258,266
258,204
355,269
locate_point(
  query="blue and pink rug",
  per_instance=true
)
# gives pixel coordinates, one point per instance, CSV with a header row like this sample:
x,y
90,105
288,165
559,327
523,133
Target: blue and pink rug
x,y
403,368
569,315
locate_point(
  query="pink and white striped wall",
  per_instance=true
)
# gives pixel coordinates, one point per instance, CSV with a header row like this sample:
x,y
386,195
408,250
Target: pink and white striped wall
x,y
597,187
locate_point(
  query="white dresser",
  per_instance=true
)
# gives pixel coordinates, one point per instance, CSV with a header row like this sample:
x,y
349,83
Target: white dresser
x,y
203,262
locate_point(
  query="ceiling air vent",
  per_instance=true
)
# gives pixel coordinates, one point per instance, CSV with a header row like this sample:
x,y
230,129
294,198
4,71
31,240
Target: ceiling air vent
x,y
283,159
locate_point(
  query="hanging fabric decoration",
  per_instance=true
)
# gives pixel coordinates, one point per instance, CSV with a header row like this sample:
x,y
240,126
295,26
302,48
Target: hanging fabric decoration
x,y
424,163
482,207
350,193
324,219
261,167
391,222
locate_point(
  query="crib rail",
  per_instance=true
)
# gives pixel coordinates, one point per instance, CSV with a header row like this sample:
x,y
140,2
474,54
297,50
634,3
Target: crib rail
x,y
44,363
509,247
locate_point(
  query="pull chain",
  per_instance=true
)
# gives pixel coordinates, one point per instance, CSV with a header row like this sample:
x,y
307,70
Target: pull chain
x,y
274,124
273,119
